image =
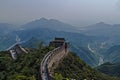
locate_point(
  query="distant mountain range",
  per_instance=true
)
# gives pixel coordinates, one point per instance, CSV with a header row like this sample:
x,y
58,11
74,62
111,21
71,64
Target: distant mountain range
x,y
50,24
102,29
90,44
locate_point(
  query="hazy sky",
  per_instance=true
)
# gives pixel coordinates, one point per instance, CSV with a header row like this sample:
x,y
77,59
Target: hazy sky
x,y
75,12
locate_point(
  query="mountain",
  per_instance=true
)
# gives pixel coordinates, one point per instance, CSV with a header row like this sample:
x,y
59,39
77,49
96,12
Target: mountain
x,y
50,24
79,42
110,69
108,49
45,30
27,67
75,39
112,54
32,35
101,29
104,30
89,48
89,57
72,67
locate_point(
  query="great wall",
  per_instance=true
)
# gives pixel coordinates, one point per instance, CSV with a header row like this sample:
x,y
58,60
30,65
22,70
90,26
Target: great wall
x,y
52,58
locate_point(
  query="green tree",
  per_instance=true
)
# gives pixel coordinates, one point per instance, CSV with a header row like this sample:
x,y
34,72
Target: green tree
x,y
58,76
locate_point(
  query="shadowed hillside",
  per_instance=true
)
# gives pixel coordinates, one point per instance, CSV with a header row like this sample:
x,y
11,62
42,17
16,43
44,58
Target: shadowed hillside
x,y
73,67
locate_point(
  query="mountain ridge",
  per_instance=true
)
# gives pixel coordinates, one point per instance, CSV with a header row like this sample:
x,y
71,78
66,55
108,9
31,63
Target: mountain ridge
x,y
50,24
79,41
102,29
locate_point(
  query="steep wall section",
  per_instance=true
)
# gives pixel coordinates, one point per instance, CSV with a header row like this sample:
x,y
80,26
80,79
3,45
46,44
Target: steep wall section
x,y
58,55
51,60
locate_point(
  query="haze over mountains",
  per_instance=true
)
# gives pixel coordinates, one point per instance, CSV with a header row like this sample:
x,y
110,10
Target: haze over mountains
x,y
102,29
50,24
90,43
6,28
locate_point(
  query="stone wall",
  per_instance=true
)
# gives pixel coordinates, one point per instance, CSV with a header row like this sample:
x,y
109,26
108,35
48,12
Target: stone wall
x,y
51,60
58,54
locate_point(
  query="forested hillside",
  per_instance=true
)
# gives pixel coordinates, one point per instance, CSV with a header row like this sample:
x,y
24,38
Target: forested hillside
x,y
26,67
72,67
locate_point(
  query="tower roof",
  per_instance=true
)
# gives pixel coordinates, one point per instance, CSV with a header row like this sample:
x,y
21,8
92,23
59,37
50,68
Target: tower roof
x,y
59,39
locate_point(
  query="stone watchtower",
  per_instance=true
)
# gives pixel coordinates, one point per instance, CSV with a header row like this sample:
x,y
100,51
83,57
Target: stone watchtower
x,y
58,42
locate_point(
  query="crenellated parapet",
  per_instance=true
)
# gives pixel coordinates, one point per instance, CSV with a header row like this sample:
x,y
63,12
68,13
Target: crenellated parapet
x,y
52,58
